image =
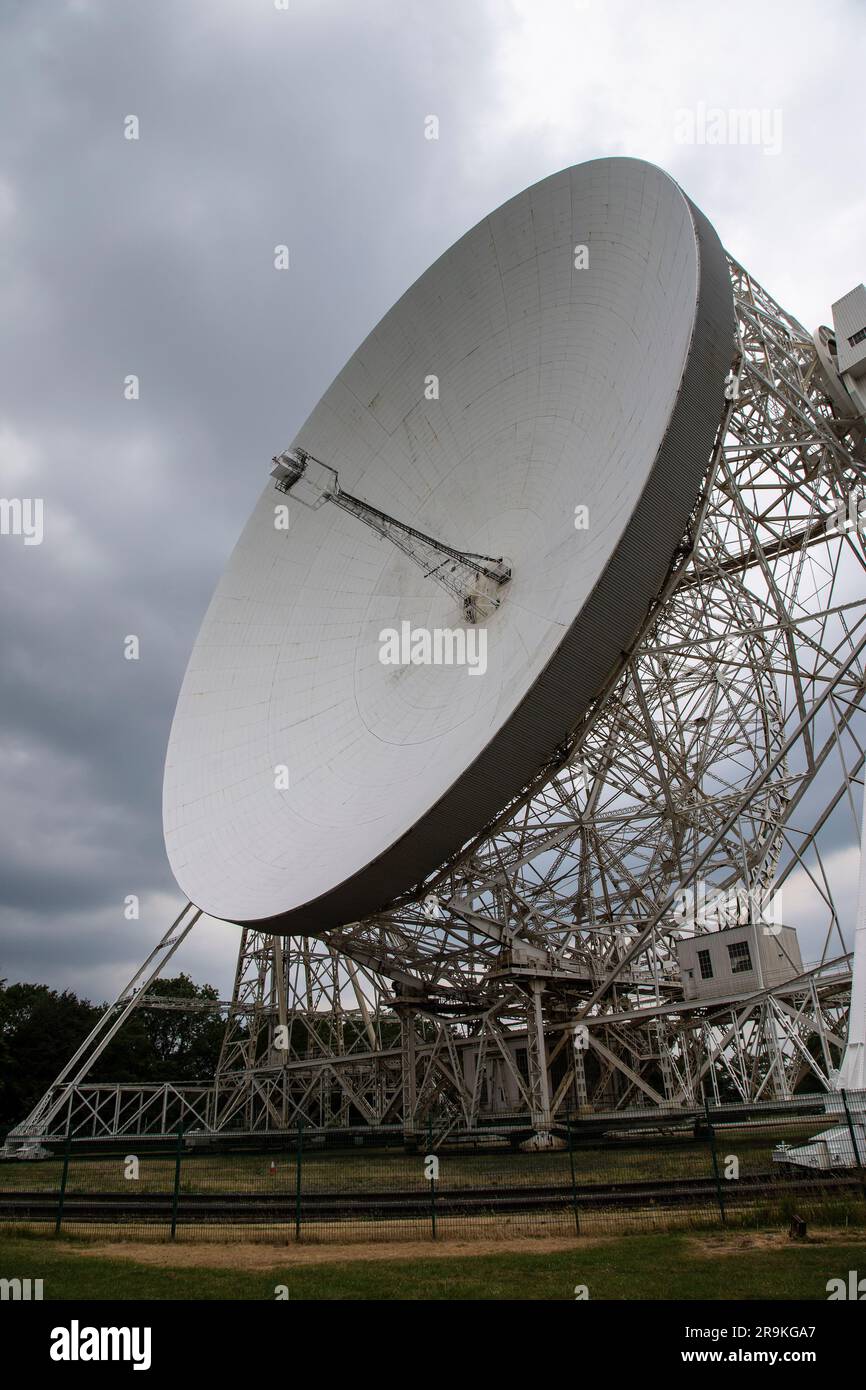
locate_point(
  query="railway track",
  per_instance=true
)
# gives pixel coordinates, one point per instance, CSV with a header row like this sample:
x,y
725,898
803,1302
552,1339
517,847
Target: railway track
x,y
275,1208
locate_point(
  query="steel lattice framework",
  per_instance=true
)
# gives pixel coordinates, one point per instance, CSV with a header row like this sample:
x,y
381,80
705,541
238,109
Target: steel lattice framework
x,y
537,974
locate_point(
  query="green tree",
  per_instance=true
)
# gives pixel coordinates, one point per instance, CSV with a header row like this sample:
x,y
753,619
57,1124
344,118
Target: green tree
x,y
39,1031
41,1028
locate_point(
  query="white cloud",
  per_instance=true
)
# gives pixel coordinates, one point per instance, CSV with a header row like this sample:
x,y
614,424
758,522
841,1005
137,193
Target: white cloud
x,y
19,456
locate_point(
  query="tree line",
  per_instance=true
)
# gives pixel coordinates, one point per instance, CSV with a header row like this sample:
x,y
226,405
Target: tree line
x,y
40,1029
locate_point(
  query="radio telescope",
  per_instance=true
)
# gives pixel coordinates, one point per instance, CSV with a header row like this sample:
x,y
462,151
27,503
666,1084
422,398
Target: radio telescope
x,y
559,387
556,862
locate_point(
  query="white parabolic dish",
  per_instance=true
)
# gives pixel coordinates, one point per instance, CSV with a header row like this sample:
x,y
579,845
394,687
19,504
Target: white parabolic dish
x,y
561,385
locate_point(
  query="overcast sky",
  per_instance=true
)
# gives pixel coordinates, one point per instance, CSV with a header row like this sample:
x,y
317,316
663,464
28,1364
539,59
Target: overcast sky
x,y
306,126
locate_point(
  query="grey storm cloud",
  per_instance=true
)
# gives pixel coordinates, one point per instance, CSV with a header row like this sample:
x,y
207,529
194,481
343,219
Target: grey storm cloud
x,y
305,126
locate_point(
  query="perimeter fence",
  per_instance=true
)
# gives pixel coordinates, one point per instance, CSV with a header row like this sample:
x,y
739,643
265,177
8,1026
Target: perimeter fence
x,y
728,1165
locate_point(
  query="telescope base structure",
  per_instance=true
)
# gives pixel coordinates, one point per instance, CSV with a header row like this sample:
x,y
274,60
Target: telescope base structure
x,y
426,1072
544,971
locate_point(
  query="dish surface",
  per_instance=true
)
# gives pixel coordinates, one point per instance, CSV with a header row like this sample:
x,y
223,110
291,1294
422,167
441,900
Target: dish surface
x,y
561,386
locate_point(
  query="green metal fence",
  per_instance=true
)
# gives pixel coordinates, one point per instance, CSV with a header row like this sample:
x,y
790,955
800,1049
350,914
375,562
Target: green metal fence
x,y
734,1165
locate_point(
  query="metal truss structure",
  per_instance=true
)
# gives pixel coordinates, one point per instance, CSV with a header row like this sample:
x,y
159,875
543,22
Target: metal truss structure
x,y
538,975
472,579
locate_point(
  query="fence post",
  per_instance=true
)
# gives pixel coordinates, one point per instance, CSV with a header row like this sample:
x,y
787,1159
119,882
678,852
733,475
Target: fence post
x,y
573,1179
852,1131
432,1179
178,1156
299,1159
712,1135
61,1196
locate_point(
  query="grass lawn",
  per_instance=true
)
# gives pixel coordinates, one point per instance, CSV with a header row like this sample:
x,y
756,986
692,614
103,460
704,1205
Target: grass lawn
x,y
674,1266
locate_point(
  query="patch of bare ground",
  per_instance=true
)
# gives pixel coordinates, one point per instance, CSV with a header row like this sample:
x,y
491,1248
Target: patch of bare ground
x,y
736,1243
210,1255
220,1254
